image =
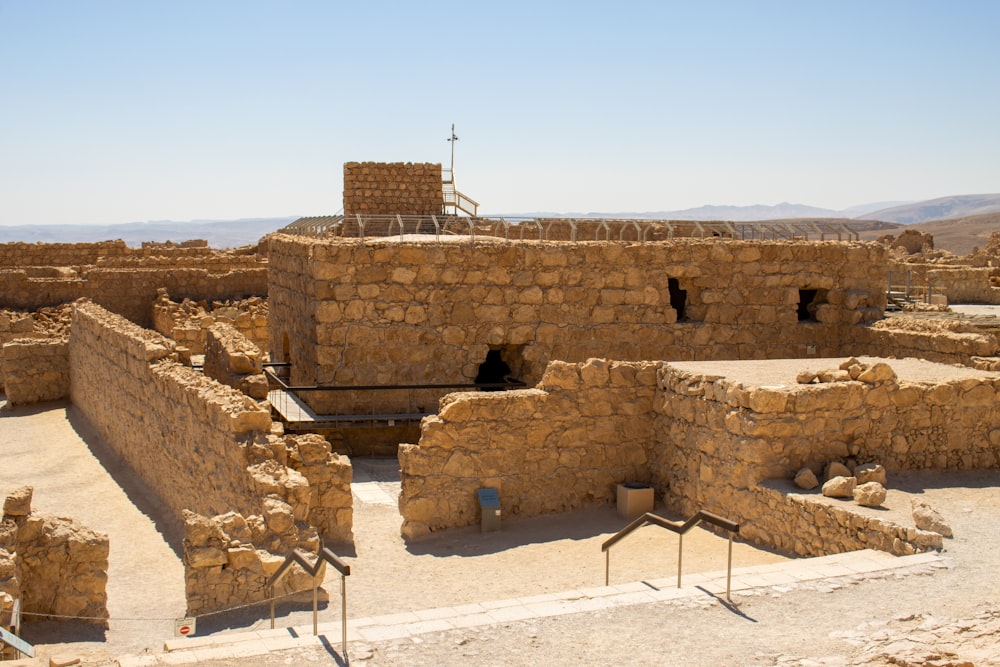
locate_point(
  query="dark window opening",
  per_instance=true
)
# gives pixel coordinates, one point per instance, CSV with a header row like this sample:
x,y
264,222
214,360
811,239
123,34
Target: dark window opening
x,y
496,368
678,297
807,305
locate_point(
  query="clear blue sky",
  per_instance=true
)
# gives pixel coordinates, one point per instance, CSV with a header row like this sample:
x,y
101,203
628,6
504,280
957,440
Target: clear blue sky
x,y
134,110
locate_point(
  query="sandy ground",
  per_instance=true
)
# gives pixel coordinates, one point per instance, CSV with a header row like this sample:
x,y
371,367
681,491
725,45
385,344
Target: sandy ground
x,y
54,449
926,616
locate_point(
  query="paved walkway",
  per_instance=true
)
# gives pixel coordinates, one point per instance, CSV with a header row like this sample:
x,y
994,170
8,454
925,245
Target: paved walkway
x,y
207,650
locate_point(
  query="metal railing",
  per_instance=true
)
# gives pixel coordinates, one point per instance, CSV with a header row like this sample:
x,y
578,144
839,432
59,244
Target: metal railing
x,y
363,404
512,228
906,292
676,527
313,570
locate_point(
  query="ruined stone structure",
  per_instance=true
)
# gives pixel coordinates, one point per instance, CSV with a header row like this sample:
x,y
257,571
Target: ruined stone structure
x,y
123,280
353,312
705,438
205,449
53,565
187,322
34,370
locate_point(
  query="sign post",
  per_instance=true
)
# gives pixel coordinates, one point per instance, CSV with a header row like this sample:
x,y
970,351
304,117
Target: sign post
x,y
185,627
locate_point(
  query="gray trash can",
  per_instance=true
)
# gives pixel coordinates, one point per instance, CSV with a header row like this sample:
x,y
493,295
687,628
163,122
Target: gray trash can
x,y
489,504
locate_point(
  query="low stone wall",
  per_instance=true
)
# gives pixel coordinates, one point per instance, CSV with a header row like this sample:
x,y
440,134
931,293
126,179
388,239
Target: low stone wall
x,y
397,188
230,358
35,370
54,565
899,337
722,440
800,524
564,445
702,441
964,284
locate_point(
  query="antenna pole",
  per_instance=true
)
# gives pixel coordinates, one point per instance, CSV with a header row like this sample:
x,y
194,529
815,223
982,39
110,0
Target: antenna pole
x,y
452,141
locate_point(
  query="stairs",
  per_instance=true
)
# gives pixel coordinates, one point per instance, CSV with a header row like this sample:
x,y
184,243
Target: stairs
x,y
455,201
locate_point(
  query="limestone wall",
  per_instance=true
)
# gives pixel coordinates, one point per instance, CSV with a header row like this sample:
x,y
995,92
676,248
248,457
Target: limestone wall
x,y
59,254
35,370
702,441
187,322
964,284
899,337
233,360
183,432
722,439
350,312
401,188
123,280
205,448
54,565
128,292
564,445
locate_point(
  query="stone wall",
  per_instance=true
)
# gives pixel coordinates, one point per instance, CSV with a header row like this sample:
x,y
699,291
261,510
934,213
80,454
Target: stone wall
x,y
397,188
185,432
187,322
34,370
564,445
128,292
59,254
205,448
54,565
703,442
721,439
233,360
964,284
349,312
123,280
906,337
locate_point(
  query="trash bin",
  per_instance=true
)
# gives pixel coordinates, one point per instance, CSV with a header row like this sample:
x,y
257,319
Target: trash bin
x,y
489,504
635,499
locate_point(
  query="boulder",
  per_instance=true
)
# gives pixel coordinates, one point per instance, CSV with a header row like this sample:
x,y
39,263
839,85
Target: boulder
x,y
806,479
840,487
836,469
870,472
805,377
869,494
18,503
877,373
928,518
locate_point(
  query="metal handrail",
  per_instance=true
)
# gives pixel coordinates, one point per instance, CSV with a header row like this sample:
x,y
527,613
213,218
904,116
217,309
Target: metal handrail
x,y
312,569
676,527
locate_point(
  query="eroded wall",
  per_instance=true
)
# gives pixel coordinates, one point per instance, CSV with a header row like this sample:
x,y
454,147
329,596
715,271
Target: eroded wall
x,y
34,370
563,445
702,441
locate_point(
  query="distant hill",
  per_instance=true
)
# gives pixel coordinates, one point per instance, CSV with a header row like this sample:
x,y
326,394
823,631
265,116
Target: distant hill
x,y
958,206
218,233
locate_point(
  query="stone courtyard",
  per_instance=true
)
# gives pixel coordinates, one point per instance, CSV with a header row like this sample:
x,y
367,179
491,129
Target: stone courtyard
x,y
756,379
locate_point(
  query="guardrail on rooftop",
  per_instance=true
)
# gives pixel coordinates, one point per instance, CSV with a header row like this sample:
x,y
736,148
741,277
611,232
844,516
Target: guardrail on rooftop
x,y
559,229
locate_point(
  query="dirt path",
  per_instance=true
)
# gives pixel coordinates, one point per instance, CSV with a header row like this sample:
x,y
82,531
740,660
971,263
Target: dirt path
x,y
52,448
